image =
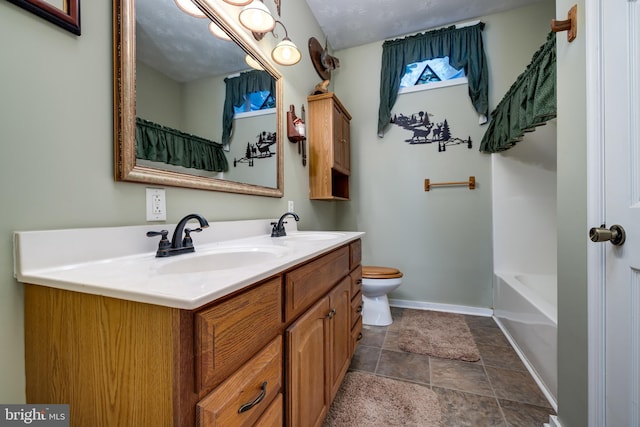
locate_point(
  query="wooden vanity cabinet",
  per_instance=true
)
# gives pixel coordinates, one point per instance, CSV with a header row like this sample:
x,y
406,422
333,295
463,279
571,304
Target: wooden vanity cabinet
x,y
281,346
329,134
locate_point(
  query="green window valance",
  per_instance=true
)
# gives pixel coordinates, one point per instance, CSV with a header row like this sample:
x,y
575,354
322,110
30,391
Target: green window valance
x,y
163,144
464,48
530,101
236,89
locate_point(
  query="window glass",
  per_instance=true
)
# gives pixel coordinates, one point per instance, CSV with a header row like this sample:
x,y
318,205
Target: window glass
x,y
256,101
429,71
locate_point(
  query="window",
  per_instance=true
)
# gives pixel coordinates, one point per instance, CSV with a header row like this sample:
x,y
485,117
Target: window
x,y
430,71
256,101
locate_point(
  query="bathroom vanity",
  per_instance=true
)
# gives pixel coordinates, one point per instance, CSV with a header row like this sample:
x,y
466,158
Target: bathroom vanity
x,y
136,340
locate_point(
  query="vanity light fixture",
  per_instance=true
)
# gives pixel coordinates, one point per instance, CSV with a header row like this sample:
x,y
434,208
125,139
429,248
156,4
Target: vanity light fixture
x,y
218,32
190,8
285,52
256,17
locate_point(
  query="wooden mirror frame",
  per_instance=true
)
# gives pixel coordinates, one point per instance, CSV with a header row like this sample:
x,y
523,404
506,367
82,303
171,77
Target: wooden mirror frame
x,y
67,18
124,107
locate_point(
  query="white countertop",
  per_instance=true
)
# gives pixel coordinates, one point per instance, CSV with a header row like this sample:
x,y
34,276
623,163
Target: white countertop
x,y
120,262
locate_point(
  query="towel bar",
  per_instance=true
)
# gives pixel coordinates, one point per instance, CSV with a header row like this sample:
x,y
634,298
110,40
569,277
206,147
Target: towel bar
x,y
471,183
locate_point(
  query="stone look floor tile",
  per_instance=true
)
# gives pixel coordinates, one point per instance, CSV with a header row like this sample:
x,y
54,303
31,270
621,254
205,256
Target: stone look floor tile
x,y
501,357
365,358
516,386
463,376
373,336
460,409
480,322
489,336
407,366
496,391
523,415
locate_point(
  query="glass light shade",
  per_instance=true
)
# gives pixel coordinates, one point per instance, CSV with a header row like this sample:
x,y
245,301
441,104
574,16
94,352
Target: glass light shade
x,y
286,53
251,62
238,2
256,17
218,32
190,8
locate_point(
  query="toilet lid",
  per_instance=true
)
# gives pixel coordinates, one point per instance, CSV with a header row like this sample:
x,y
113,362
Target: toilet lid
x,y
374,272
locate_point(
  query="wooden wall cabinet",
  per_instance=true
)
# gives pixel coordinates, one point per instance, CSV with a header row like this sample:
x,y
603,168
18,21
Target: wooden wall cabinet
x,y
123,363
329,148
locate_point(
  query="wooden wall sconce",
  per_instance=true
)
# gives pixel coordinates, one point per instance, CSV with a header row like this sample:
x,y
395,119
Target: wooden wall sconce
x,y
570,25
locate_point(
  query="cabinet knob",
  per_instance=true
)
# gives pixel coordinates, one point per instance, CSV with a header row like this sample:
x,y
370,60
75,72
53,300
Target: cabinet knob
x,y
249,405
331,313
359,310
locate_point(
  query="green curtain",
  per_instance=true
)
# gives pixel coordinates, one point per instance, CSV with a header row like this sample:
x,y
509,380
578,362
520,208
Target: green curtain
x,y
530,101
464,48
163,144
236,89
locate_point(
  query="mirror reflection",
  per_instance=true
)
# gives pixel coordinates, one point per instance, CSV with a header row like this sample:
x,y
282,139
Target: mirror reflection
x,y
196,125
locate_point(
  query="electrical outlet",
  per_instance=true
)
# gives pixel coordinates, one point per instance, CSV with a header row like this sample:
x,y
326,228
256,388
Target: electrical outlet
x,y
156,204
290,208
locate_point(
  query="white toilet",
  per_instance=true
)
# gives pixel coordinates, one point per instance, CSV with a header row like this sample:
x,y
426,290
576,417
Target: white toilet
x,y
377,282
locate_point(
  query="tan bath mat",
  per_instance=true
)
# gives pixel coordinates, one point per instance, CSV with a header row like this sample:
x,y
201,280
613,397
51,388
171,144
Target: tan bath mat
x,y
437,334
366,400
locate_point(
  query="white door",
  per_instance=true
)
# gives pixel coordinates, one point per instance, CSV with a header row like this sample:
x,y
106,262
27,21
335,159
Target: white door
x,y
621,136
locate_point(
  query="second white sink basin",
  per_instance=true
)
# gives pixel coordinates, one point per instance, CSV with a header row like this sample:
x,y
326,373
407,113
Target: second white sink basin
x,y
222,259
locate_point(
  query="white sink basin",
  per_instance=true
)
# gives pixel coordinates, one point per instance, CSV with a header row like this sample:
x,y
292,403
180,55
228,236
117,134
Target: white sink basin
x,y
221,259
312,235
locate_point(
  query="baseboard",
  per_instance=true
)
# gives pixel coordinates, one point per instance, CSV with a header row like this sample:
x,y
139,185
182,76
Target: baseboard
x,y
553,422
449,308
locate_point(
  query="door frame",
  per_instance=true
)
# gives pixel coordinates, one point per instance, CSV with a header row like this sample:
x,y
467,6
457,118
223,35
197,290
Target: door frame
x,y
596,268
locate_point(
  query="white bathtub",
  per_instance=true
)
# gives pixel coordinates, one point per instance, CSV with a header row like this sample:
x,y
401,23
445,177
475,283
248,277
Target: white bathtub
x,y
526,308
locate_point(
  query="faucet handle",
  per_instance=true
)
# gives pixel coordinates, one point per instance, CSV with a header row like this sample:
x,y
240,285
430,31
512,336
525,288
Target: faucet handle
x,y
187,241
164,244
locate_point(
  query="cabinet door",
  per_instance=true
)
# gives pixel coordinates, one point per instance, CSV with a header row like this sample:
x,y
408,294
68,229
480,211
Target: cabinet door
x,y
308,356
341,157
340,336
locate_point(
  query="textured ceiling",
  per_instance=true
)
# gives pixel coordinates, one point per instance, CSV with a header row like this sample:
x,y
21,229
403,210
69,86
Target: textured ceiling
x,y
349,23
168,39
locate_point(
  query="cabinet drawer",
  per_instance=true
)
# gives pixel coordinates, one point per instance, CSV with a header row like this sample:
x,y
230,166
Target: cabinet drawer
x,y
356,280
356,308
229,333
355,254
306,284
274,415
356,335
243,397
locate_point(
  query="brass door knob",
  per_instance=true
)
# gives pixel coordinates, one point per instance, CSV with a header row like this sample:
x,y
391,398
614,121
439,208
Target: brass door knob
x,y
615,234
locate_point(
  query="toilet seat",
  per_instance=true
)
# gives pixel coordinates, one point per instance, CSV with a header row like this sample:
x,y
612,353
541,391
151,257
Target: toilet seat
x,y
375,272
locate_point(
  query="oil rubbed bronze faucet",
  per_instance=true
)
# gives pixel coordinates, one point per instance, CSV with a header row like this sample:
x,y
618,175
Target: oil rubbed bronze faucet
x,y
278,227
178,244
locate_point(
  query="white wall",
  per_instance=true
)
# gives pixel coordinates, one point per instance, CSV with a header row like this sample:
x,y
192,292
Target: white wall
x,y
524,204
442,239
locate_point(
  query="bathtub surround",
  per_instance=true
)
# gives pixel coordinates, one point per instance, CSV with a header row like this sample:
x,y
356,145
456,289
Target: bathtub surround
x,y
373,401
438,334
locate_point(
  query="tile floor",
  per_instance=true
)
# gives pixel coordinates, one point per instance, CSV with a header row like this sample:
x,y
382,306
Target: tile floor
x,y
495,391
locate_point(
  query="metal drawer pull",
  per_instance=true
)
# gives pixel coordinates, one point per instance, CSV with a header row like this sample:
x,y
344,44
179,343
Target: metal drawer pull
x,y
359,310
331,313
247,406
360,336
359,281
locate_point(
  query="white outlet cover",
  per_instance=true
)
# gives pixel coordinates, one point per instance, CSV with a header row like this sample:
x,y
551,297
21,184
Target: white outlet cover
x,y
156,204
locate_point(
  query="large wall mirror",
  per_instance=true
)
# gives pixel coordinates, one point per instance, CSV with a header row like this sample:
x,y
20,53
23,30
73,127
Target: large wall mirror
x,y
171,73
